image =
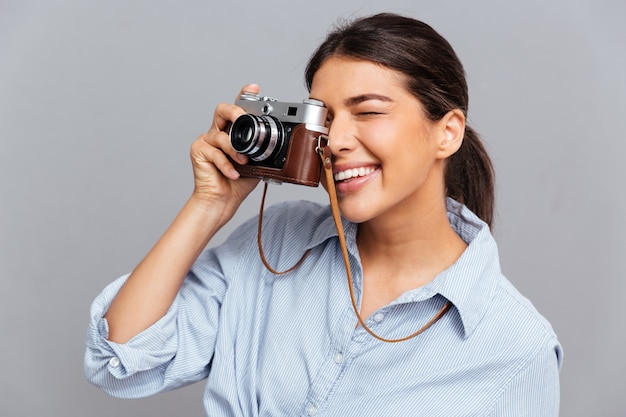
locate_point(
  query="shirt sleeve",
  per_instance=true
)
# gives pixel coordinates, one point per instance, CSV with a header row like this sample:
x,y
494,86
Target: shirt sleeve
x,y
175,351
534,389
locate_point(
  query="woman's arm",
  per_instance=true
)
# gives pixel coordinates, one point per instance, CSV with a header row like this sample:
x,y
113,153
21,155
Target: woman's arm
x,y
218,192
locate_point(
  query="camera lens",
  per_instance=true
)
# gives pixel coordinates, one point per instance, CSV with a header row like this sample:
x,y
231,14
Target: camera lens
x,y
259,137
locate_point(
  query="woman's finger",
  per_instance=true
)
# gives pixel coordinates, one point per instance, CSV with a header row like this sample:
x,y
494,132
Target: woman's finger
x,y
249,88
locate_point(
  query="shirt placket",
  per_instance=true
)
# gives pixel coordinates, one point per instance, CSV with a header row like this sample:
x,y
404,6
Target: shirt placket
x,y
346,344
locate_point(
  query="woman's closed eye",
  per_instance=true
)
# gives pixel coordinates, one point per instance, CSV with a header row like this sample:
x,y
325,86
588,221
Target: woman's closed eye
x,y
369,114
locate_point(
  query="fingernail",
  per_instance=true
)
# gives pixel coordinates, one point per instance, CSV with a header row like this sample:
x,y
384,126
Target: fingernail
x,y
234,174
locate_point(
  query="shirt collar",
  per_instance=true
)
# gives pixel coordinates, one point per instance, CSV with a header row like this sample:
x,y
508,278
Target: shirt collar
x,y
469,283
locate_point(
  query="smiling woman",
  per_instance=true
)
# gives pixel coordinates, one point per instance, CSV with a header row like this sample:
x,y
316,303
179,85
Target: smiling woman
x,y
415,188
378,128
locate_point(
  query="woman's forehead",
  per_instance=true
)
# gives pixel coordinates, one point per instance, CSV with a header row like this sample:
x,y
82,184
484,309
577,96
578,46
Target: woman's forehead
x,y
357,78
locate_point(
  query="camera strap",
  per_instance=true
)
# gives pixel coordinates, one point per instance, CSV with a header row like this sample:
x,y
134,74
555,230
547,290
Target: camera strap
x,y
260,242
325,155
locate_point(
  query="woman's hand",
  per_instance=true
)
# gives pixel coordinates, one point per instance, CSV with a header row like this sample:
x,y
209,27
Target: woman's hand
x,y
215,178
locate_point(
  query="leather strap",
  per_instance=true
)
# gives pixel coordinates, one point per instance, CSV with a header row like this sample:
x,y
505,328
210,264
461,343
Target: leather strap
x,y
334,206
325,155
260,242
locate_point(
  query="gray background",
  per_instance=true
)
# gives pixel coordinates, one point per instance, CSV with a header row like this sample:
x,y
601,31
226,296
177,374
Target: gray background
x,y
99,102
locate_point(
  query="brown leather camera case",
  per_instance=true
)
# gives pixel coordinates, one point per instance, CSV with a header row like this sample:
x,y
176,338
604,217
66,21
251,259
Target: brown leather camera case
x,y
302,165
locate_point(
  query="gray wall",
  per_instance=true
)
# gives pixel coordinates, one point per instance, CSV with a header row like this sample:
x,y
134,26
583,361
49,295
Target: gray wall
x,y
99,102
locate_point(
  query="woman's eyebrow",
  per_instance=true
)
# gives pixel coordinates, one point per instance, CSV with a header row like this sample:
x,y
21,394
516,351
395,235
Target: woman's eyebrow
x,y
353,101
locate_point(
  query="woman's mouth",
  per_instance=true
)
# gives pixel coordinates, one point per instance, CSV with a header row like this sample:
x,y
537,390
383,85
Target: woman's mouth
x,y
351,180
352,173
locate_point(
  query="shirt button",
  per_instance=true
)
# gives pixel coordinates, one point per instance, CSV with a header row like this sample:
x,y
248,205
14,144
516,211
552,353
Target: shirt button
x,y
378,317
311,410
114,362
338,358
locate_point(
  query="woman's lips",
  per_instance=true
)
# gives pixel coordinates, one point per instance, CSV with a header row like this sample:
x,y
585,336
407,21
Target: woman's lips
x,y
349,180
348,174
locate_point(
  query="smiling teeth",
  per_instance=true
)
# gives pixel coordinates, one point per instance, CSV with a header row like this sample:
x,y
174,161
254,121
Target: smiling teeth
x,y
353,173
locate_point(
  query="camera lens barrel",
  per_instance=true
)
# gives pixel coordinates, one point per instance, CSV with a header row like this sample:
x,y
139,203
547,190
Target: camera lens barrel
x,y
259,137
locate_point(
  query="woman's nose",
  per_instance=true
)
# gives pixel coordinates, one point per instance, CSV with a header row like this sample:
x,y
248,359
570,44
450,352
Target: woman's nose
x,y
341,138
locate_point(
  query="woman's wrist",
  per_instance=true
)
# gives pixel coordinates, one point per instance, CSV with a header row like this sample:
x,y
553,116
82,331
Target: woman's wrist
x,y
205,216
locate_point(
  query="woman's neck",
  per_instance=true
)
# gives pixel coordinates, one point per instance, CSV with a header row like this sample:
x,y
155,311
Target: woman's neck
x,y
402,252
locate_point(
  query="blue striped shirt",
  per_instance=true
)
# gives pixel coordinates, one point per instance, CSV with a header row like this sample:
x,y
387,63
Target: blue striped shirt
x,y
288,345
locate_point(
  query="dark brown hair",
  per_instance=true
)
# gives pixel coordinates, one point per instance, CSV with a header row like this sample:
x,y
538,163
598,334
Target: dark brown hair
x,y
435,76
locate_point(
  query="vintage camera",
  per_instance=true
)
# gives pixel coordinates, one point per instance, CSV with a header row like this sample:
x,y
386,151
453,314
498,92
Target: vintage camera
x,y
281,139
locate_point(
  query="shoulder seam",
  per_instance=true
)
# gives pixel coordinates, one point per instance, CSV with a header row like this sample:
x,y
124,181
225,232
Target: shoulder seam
x,y
524,364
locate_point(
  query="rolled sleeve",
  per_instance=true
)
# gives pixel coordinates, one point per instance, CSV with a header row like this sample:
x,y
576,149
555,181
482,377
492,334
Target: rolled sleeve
x,y
173,352
107,362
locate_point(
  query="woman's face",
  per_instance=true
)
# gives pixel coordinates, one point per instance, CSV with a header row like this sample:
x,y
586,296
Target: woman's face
x,y
387,157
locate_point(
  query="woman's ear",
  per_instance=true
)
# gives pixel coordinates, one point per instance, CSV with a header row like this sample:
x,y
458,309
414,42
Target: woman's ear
x,y
451,132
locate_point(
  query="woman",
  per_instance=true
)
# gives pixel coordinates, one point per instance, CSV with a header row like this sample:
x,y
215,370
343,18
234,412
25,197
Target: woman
x,y
415,190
